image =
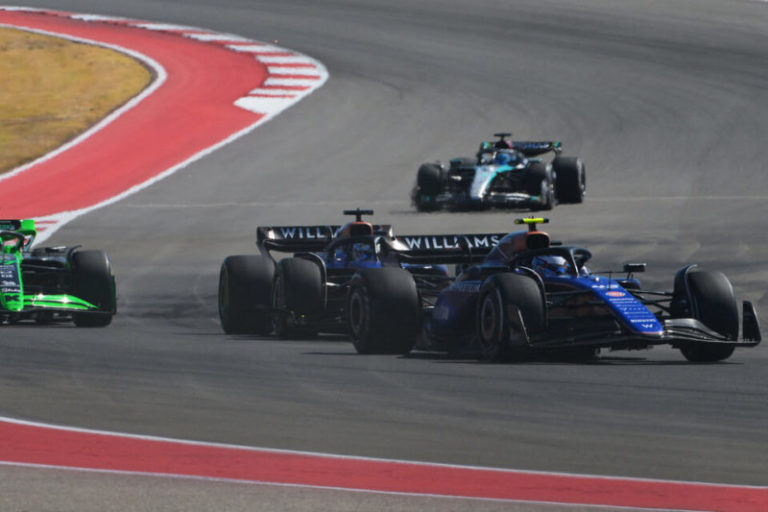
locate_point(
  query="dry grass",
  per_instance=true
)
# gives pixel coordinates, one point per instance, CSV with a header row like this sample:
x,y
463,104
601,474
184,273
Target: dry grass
x,y
52,89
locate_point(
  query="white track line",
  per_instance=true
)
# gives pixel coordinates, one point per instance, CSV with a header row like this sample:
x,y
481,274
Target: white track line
x,y
169,27
258,48
213,37
286,70
288,59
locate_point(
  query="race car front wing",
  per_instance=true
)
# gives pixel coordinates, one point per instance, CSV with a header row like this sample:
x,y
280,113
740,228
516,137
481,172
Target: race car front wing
x,y
676,331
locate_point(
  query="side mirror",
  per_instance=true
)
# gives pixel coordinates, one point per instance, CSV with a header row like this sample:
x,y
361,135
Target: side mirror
x,y
630,268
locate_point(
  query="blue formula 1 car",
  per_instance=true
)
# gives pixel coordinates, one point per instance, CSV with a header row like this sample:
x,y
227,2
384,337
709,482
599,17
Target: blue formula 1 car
x,y
533,295
357,279
505,174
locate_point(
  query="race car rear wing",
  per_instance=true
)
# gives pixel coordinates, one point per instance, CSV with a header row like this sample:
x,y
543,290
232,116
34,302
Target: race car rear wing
x,y
303,238
443,249
429,249
527,147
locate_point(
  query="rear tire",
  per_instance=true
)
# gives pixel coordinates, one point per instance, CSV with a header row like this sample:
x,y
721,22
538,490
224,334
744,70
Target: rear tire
x,y
571,179
499,334
539,183
714,304
383,311
298,293
429,184
245,294
95,283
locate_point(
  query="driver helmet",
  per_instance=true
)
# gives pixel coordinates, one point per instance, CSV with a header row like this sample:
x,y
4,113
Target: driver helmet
x,y
504,158
551,266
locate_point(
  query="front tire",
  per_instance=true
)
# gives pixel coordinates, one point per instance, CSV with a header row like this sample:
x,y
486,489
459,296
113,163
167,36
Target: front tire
x,y
429,184
714,304
245,294
500,333
95,283
383,311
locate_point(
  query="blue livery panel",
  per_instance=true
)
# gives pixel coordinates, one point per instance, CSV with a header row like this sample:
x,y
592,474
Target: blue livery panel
x,y
633,314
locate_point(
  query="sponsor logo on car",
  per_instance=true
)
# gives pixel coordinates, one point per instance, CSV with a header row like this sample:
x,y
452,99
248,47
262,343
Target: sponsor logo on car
x,y
449,241
308,232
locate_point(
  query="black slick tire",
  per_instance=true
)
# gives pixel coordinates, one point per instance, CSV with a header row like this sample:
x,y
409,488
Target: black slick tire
x,y
570,179
94,282
429,184
499,333
714,304
297,294
245,294
383,311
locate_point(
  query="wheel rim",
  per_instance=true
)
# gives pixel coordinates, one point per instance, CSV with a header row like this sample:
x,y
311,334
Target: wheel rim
x,y
490,319
547,194
356,314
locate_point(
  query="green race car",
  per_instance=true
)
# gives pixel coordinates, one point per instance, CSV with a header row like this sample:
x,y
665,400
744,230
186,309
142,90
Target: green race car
x,y
50,284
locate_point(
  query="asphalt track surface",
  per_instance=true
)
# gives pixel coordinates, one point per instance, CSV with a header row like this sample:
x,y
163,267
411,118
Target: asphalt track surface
x,y
666,102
